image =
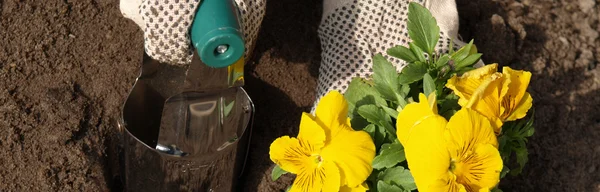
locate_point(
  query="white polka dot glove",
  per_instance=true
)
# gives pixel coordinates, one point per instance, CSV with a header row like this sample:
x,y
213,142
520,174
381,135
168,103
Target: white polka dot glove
x,y
166,25
352,31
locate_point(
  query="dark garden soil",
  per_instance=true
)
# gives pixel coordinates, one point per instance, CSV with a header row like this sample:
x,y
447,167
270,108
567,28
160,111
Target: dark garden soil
x,y
66,68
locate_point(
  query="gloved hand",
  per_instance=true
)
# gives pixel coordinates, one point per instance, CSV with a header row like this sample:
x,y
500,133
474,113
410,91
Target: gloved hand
x,y
353,31
166,25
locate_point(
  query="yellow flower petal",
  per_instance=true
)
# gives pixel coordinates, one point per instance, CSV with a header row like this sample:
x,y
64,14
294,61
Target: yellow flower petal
x,y
487,98
522,108
426,151
333,176
323,177
289,154
473,148
412,115
465,85
446,184
361,188
519,81
311,134
468,128
432,100
332,110
353,152
517,92
482,169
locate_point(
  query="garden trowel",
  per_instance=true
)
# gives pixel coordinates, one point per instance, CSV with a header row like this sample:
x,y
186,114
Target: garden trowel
x,y
187,127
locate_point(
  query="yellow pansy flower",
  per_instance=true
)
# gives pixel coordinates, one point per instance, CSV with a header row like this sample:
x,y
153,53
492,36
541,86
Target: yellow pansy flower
x,y
456,155
499,96
327,155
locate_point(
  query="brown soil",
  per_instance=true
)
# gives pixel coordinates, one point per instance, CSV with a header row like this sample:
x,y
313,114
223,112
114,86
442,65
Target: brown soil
x,y
66,68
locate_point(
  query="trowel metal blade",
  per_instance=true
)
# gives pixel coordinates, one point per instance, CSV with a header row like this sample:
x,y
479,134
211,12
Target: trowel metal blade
x,y
203,123
210,113
144,106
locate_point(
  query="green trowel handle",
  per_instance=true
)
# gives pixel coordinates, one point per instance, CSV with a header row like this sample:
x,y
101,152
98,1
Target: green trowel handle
x,y
216,33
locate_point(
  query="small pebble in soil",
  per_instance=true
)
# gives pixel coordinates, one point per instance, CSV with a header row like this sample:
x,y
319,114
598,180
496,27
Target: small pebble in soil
x,y
586,5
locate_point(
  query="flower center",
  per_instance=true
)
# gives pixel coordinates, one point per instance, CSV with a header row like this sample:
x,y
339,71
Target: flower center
x,y
462,170
457,168
317,159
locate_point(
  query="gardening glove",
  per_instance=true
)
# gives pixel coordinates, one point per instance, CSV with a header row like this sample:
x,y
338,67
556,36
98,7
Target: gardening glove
x,y
353,31
166,25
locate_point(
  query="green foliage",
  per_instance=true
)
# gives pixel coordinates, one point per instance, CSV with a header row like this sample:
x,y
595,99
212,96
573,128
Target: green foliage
x,y
412,72
377,116
442,61
418,52
403,53
513,141
378,134
398,176
390,156
386,79
462,53
384,187
374,104
428,84
360,93
277,172
422,27
469,60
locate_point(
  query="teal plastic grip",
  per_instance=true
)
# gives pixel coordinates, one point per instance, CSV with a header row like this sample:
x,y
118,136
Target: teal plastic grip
x,y
216,33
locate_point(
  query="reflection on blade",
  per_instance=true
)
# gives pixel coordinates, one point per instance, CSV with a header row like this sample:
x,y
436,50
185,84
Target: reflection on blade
x,y
201,123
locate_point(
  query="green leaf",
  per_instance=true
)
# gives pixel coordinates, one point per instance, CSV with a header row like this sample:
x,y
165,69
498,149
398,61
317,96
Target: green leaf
x,y
377,133
442,61
386,78
391,112
398,176
473,49
448,103
404,89
377,116
358,123
384,187
403,53
412,72
428,84
502,142
448,114
361,93
528,129
470,60
521,160
496,189
389,156
464,70
422,27
504,171
462,53
277,172
289,188
418,52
